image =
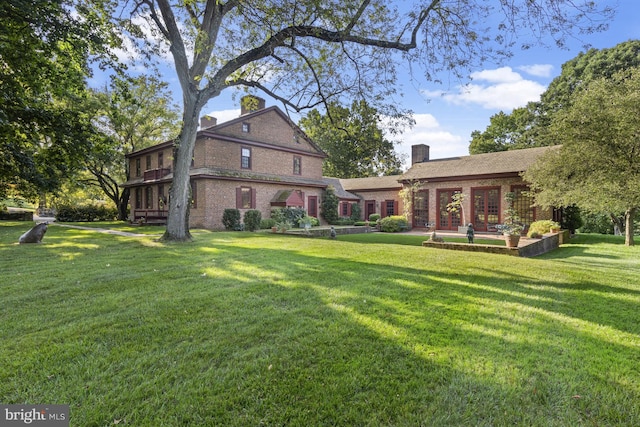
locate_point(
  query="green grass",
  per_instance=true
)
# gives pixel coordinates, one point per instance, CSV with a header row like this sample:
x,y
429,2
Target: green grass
x,y
243,329
410,239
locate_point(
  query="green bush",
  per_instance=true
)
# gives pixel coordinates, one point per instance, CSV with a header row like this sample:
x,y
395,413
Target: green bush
x,y
596,223
252,220
267,223
85,213
356,211
231,219
541,227
329,205
289,214
374,217
393,224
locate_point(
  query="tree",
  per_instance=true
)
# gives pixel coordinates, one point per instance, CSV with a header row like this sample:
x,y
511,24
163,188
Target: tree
x,y
44,132
307,52
353,141
133,113
598,165
529,126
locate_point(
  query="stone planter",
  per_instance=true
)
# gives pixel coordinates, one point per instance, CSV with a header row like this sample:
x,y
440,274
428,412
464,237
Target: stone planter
x,y
462,229
512,240
274,229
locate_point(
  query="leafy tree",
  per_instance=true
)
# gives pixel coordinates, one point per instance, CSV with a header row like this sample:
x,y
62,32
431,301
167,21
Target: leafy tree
x,y
133,113
598,166
353,141
307,52
529,126
44,52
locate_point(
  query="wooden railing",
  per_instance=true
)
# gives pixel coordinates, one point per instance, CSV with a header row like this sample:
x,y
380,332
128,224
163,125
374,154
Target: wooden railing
x,y
154,174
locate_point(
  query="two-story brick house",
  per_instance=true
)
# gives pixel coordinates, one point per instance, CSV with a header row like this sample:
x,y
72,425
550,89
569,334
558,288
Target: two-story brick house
x,y
258,161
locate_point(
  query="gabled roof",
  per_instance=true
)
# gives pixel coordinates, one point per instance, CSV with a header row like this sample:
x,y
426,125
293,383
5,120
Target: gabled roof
x,y
339,190
389,182
511,163
211,131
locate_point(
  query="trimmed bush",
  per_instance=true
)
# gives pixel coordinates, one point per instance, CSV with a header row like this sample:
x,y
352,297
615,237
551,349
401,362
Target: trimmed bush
x,y
252,220
541,227
374,217
85,213
267,223
231,219
393,224
356,211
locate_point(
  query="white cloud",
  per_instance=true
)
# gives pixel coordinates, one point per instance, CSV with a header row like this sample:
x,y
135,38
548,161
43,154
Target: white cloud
x,y
504,89
224,115
538,70
427,130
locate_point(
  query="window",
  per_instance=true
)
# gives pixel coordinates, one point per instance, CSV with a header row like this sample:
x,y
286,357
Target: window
x,y
345,209
297,165
160,160
523,204
245,198
245,161
148,163
246,127
148,198
138,168
138,198
390,207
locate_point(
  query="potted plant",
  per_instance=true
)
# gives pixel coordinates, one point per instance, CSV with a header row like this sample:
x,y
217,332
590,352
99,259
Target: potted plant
x,y
456,206
511,228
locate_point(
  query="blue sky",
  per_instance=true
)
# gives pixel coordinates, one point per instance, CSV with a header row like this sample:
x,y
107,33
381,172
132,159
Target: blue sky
x,y
446,115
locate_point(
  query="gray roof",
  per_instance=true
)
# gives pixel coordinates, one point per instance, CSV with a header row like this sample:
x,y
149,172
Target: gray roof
x,y
372,183
510,162
339,189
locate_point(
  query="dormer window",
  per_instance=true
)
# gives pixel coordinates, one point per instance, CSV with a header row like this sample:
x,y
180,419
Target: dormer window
x,y
246,127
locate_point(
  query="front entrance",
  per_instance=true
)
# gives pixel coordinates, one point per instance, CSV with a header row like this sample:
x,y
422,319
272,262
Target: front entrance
x,y
369,209
486,208
447,220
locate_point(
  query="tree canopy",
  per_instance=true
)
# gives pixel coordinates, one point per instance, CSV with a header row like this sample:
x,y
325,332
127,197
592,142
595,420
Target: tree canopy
x,y
353,140
131,114
44,60
529,126
598,165
307,52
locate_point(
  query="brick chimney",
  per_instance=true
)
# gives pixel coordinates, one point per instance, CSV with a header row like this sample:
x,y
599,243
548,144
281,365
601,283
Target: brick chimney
x,y
251,103
419,153
207,122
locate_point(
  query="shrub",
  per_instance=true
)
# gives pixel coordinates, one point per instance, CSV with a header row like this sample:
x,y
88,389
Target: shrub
x,y
277,214
329,205
393,224
355,211
596,223
85,213
231,219
374,217
267,223
541,227
252,220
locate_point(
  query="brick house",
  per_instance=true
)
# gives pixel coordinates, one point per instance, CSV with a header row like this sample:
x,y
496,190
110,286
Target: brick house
x,y
483,178
258,161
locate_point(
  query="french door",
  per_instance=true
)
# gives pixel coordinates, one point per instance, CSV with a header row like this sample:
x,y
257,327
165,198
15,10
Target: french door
x,y
486,208
447,220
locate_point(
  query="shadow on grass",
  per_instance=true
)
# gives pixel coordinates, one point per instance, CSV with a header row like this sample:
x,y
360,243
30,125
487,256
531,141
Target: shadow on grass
x,y
232,331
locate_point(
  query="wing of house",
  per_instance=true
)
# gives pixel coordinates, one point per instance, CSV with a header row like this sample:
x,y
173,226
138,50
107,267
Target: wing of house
x,y
245,163
483,179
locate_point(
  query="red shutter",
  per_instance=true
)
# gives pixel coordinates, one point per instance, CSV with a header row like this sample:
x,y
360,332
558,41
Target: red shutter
x,y
238,198
348,209
253,198
383,209
395,208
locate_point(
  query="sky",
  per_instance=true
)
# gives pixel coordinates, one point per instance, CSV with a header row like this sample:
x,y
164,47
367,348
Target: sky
x,y
446,115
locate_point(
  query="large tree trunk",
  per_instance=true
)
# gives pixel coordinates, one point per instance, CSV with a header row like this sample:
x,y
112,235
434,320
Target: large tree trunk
x,y
180,191
122,204
628,226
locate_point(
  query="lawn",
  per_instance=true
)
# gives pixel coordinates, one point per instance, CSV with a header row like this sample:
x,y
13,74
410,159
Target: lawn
x,y
246,329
